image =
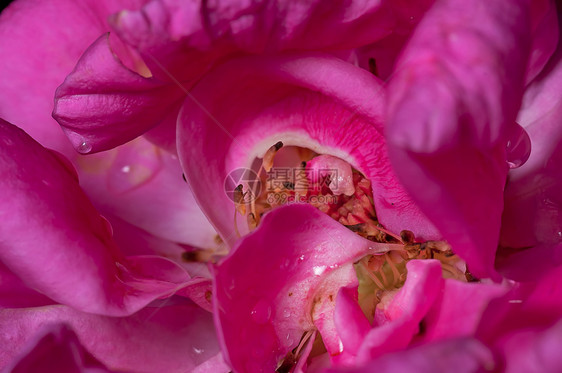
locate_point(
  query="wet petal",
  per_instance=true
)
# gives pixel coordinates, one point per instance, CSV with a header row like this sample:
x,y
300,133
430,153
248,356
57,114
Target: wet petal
x,y
171,337
54,239
267,289
466,355
289,99
56,349
38,55
404,313
532,197
448,121
143,185
458,309
102,103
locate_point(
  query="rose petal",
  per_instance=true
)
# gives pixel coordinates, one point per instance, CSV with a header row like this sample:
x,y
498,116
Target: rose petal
x,y
56,242
312,101
38,55
458,310
405,312
102,103
266,290
172,337
465,355
532,197
454,96
56,349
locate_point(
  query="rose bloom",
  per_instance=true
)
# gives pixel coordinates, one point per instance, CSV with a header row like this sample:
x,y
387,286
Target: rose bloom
x,y
366,186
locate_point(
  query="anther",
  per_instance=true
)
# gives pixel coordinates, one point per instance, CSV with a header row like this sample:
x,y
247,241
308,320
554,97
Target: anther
x,y
269,155
252,222
239,199
407,236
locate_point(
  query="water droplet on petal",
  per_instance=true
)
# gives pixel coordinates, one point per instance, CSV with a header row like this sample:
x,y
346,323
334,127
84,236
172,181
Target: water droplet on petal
x,y
198,351
518,148
286,313
261,313
134,166
84,147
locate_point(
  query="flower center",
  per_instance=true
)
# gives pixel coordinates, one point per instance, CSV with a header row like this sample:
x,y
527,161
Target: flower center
x,y
298,175
380,276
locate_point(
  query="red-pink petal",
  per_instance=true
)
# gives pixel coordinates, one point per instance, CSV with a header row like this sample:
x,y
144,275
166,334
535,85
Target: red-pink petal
x,y
462,355
452,105
267,288
405,312
308,100
174,336
56,349
102,103
57,243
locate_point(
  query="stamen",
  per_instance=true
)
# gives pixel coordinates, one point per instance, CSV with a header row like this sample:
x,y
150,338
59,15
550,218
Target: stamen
x,y
384,279
395,273
267,163
252,222
371,275
239,200
303,341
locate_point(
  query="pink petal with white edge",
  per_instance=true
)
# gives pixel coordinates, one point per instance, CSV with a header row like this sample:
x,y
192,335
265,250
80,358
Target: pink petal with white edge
x,y
103,104
175,336
266,289
57,243
308,100
465,355
452,107
404,313
56,349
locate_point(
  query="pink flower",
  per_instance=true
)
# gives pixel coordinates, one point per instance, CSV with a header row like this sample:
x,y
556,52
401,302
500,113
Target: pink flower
x,y
366,276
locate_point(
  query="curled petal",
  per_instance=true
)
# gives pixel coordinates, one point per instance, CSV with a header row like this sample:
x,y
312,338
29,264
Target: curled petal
x,y
452,105
466,355
53,238
57,349
268,289
102,103
458,310
38,55
308,100
173,336
532,197
405,312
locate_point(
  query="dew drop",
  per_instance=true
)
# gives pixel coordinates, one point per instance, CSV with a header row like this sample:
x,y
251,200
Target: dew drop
x,y
261,313
198,351
84,147
518,148
286,313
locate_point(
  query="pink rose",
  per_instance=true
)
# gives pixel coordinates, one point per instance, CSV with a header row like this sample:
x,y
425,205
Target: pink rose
x,y
411,118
